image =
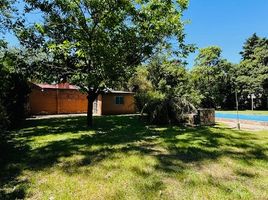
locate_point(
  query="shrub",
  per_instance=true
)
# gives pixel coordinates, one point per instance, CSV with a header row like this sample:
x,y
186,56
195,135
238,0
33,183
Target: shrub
x,y
163,109
164,92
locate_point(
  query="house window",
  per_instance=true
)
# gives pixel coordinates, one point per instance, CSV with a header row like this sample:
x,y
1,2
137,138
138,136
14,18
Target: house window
x,y
119,100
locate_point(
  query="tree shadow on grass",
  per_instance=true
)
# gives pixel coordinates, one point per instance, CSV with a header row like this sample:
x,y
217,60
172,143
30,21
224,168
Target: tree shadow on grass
x,y
12,159
127,134
171,146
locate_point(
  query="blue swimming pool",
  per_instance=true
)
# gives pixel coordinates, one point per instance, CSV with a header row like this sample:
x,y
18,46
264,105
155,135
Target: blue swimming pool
x,y
262,118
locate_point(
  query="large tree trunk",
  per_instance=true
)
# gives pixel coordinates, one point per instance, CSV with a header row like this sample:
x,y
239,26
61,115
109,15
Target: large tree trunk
x,y
89,112
91,97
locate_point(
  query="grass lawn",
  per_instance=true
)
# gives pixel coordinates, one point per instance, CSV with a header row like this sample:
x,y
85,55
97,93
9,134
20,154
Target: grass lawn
x,y
247,112
123,158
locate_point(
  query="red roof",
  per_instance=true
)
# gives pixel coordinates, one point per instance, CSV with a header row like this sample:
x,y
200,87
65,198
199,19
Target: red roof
x,y
56,86
68,86
121,92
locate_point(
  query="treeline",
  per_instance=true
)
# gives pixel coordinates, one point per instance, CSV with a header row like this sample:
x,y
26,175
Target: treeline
x,y
252,72
166,90
217,79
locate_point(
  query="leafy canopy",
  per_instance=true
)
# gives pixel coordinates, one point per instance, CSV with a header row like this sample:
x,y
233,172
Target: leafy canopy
x,y
213,77
253,69
98,43
164,90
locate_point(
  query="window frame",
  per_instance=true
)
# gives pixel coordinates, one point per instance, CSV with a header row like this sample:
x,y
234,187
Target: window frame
x,y
119,100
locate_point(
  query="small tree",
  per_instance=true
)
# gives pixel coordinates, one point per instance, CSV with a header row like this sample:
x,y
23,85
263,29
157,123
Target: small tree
x,y
98,43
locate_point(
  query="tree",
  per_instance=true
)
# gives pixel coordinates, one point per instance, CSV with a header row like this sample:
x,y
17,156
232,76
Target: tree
x,y
14,88
249,46
6,14
164,91
252,73
213,77
98,43
141,85
13,85
209,56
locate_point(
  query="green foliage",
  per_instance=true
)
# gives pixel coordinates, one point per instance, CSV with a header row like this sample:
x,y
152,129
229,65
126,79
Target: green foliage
x,y
213,77
101,42
249,46
164,91
140,80
209,56
7,14
140,84
14,90
217,80
252,72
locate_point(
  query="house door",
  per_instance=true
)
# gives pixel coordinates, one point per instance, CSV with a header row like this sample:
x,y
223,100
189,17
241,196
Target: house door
x,y
95,106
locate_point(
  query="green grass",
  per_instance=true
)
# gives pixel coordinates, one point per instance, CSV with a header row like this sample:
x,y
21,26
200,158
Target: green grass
x,y
248,112
124,158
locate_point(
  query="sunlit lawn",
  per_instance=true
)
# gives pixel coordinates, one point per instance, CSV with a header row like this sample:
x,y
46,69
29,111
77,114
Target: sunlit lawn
x,y
247,112
123,158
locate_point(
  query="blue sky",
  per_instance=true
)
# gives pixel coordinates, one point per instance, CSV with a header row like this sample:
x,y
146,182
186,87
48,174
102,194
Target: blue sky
x,y
225,23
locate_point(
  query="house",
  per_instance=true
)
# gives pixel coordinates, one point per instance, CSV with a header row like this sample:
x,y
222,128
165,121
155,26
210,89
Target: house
x,y
64,98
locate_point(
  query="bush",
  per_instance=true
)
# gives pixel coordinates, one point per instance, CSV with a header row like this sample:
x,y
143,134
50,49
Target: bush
x,y
166,110
164,92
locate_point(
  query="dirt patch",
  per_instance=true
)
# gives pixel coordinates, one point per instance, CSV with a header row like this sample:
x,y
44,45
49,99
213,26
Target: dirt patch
x,y
244,125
